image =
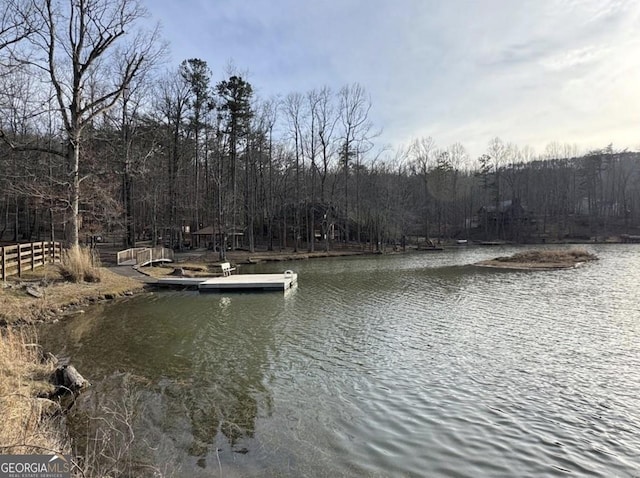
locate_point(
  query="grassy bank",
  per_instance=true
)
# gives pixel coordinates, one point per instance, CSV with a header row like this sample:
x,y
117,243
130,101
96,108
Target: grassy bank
x,y
58,295
30,423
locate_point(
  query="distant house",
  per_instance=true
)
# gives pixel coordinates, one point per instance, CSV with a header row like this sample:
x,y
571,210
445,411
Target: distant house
x,y
210,238
631,239
504,213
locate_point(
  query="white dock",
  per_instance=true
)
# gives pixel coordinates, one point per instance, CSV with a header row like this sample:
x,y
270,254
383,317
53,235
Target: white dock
x,y
239,282
182,281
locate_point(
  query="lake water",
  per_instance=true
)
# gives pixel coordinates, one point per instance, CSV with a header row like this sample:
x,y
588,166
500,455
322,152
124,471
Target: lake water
x,y
401,365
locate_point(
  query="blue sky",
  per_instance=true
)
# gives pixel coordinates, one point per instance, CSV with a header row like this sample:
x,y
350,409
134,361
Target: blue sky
x,y
528,71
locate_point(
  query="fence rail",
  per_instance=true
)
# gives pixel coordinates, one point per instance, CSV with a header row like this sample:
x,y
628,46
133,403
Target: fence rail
x,y
128,255
156,254
17,258
142,256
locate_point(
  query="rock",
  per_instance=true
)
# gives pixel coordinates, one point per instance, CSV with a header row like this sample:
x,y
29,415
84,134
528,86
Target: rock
x,y
178,271
67,379
35,291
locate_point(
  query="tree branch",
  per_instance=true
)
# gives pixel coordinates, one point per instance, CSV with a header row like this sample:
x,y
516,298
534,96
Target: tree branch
x,y
23,147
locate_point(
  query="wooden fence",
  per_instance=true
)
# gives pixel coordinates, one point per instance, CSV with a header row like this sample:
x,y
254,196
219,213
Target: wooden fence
x,y
18,258
150,255
128,255
142,256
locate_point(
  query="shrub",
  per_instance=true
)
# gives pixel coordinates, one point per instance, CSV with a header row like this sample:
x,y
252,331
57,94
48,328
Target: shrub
x,y
80,264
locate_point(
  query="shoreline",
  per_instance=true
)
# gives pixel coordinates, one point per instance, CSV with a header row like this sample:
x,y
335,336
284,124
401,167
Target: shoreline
x,y
34,414
57,299
60,299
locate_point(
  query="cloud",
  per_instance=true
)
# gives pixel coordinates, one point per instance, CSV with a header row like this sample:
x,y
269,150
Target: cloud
x,y
462,70
575,57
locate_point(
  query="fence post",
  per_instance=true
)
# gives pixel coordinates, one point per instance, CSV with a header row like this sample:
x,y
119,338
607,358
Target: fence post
x,y
33,257
19,249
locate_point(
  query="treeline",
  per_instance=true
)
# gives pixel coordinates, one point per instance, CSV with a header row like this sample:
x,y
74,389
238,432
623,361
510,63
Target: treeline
x,y
96,142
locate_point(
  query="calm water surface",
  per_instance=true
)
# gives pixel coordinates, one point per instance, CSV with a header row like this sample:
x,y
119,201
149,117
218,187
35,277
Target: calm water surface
x,y
405,365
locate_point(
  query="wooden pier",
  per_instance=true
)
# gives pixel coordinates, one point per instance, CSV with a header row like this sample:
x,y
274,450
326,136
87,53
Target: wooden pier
x,y
239,282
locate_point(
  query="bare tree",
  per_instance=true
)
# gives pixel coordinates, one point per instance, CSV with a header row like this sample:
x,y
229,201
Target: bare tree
x,y
83,48
355,105
296,114
422,153
326,120
17,23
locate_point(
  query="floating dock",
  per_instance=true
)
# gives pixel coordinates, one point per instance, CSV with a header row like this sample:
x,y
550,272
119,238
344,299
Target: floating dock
x,y
239,282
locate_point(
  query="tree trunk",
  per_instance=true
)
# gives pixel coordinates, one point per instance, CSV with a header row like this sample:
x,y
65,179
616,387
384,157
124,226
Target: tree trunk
x,y
73,155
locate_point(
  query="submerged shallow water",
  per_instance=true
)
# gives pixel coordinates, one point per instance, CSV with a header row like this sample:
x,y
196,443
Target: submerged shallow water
x,y
404,365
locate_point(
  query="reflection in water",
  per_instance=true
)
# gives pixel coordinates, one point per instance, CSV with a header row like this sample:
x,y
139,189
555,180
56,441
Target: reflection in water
x,y
228,404
199,360
408,365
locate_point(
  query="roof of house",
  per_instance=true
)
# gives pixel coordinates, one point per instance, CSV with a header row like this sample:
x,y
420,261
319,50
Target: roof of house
x,y
209,231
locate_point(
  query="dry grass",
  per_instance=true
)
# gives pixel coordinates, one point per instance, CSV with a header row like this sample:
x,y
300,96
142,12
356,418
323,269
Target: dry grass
x,y
80,264
550,257
28,423
17,306
541,260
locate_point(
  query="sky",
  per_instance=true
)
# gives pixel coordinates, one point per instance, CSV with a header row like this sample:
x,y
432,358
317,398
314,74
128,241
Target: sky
x,y
530,72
